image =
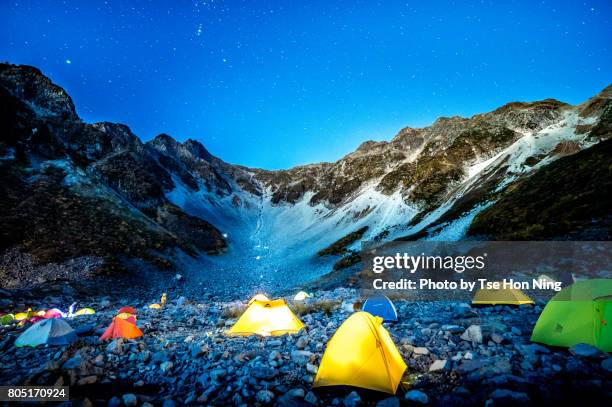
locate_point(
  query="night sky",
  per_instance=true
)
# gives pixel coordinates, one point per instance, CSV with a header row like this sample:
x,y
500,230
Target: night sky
x,y
274,84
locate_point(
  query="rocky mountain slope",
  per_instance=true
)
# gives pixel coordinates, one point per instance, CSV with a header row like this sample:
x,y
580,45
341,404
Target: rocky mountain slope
x,y
71,190
107,199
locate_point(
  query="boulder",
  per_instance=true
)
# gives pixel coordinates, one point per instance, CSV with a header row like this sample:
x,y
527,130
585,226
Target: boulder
x,y
584,350
472,334
352,400
301,357
438,365
417,396
130,400
264,397
389,402
509,397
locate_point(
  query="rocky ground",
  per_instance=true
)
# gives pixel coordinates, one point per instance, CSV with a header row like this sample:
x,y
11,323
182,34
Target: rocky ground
x,y
456,355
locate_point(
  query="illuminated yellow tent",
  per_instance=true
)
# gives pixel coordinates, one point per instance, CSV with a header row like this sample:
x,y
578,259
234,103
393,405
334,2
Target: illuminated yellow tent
x,y
84,311
259,297
362,354
161,303
266,318
301,296
501,296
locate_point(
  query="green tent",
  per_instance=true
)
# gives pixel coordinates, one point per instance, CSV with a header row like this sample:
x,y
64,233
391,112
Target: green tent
x,y
579,313
7,319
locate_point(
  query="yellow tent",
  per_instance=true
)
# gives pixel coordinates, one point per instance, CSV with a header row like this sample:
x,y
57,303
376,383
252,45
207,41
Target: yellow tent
x,y
361,353
266,318
501,296
301,296
258,297
84,311
161,303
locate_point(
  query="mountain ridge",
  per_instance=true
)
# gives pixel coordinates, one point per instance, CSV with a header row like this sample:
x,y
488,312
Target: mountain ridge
x,y
423,183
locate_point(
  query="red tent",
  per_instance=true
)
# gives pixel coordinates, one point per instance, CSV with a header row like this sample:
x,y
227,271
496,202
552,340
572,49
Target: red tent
x,y
121,328
127,310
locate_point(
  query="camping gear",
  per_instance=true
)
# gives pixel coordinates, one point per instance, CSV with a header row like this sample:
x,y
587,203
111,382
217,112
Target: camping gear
x,y
501,296
162,302
267,318
301,296
127,310
84,311
21,316
121,328
258,297
579,313
362,354
128,317
7,319
54,313
380,306
52,331
35,319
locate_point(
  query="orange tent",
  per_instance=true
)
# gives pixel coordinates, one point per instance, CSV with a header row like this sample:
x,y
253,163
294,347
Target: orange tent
x,y
121,328
127,309
128,317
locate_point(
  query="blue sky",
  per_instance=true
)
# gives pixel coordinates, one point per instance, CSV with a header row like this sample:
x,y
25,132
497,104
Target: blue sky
x,y
274,84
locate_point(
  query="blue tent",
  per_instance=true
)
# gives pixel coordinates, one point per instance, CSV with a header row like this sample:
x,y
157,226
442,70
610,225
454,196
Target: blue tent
x,y
380,306
52,331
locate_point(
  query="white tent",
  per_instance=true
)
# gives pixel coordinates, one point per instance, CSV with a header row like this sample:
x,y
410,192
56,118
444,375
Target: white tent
x,y
54,331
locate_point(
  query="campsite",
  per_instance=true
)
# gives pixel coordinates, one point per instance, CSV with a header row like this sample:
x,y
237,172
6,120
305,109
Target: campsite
x,y
279,350
307,203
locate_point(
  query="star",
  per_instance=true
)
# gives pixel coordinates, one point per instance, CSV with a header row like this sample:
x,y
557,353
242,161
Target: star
x,y
68,62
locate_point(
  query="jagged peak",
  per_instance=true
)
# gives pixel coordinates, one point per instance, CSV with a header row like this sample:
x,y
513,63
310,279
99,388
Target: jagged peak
x,y
110,126
605,93
163,142
29,84
597,104
369,145
197,149
548,103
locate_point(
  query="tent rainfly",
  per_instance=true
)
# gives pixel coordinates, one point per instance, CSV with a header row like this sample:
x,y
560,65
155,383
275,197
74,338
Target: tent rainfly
x,y
501,296
579,313
258,297
121,328
53,331
266,318
127,310
380,306
301,296
84,311
361,353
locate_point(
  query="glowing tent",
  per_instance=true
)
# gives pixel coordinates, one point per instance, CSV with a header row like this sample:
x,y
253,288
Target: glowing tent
x,y
161,303
258,297
362,354
7,319
20,316
127,310
501,296
47,332
54,313
121,328
579,313
84,311
301,296
380,306
127,316
266,318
